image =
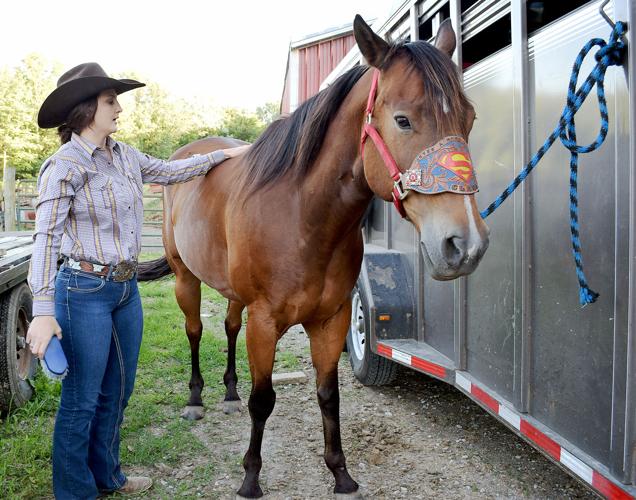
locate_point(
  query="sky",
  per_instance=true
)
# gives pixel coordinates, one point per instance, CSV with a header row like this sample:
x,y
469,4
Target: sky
x,y
228,53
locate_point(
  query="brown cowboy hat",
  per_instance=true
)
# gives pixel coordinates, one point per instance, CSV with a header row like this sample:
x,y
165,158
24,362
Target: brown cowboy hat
x,y
76,85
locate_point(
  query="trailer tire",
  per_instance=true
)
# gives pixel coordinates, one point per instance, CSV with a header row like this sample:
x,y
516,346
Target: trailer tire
x,y
368,367
17,364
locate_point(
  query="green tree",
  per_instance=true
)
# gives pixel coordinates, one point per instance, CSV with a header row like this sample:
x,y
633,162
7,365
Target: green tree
x,y
268,112
240,125
151,120
154,123
22,91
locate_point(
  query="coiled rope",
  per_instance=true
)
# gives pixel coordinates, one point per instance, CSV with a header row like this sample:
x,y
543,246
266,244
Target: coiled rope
x,y
609,54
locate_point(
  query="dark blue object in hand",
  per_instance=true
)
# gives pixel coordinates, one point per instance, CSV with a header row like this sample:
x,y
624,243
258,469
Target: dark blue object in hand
x,y
54,363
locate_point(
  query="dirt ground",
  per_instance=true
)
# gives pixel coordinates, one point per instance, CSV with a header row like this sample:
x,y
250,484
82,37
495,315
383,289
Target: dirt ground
x,y
419,438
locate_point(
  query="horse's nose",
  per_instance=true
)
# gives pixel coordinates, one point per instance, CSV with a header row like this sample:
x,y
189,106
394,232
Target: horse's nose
x,y
454,251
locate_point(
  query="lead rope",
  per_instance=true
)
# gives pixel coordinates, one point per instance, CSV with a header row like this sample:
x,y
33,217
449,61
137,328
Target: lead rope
x,y
609,54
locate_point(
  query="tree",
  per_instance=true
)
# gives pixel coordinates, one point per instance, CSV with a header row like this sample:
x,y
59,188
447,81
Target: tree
x,y
154,123
240,125
268,112
22,91
151,120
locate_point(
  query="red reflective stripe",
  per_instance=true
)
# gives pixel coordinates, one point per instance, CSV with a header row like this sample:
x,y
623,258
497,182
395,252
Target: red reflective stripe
x,y
544,442
385,350
489,401
429,367
609,489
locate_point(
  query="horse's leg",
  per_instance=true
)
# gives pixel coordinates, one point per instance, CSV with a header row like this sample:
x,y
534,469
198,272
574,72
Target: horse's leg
x,y
327,340
261,348
188,293
233,321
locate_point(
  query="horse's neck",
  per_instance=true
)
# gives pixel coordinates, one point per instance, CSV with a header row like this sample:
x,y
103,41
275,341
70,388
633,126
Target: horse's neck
x,y
336,192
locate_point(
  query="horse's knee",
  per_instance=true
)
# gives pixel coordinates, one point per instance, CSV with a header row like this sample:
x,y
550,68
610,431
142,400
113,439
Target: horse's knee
x,y
232,326
328,397
261,404
194,331
233,319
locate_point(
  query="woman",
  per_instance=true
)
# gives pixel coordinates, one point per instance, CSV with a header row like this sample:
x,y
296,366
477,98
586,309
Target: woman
x,y
90,213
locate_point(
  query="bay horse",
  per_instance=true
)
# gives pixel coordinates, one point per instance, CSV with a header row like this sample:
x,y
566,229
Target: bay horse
x,y
278,230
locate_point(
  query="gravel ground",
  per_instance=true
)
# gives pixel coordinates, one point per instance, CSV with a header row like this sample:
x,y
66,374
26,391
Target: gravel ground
x,y
419,438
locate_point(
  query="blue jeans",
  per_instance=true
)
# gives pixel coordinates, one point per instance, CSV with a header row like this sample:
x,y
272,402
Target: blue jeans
x,y
101,323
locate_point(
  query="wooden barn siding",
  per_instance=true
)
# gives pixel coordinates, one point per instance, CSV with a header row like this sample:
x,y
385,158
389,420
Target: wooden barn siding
x,y
317,61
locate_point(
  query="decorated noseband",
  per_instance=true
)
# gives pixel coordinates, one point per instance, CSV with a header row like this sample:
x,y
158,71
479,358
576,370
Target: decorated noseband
x,y
446,166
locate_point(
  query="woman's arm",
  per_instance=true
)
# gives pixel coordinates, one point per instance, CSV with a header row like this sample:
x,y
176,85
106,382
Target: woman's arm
x,y
175,171
55,193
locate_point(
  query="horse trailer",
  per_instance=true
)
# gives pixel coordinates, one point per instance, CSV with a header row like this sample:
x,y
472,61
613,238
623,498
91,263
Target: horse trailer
x,y
512,336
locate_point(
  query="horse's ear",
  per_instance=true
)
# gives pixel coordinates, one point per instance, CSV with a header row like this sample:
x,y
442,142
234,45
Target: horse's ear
x,y
446,40
373,48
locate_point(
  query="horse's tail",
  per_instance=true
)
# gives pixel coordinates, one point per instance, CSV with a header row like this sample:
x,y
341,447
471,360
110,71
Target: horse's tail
x,y
153,269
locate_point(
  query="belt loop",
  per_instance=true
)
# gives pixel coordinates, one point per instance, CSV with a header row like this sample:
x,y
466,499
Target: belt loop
x,y
109,276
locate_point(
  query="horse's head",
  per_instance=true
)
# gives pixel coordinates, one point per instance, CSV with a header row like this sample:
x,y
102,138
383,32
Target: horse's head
x,y
422,116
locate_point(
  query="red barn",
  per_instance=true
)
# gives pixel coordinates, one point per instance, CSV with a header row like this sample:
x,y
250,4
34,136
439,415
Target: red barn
x,y
309,62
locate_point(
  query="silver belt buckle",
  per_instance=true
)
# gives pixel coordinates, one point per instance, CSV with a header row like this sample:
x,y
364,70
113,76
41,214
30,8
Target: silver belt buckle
x,y
124,271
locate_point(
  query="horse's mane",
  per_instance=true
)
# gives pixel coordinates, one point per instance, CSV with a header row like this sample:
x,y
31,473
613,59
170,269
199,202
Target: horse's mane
x,y
292,143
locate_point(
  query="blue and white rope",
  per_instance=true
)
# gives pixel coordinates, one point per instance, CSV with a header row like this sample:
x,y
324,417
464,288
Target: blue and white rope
x,y
609,54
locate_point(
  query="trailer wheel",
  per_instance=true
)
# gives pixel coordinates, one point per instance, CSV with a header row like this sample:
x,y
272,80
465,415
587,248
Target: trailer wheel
x,y
368,367
17,364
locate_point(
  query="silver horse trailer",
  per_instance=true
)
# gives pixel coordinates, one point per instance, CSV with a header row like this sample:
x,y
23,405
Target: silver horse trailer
x,y
513,336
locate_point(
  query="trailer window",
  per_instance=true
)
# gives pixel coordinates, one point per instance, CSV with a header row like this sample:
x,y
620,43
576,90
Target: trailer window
x,y
540,13
425,31
495,37
467,4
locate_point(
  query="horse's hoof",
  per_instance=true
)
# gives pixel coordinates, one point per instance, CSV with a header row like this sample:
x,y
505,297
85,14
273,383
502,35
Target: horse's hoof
x,y
356,495
230,407
241,497
254,492
193,412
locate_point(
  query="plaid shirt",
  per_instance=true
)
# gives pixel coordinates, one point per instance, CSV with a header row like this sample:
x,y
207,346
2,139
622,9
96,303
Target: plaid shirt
x,y
91,208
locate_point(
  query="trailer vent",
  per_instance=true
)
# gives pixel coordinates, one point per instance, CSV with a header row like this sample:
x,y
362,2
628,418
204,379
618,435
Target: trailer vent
x,y
486,42
541,13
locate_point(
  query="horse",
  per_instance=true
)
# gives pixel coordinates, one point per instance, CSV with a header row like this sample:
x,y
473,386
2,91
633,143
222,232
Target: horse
x,y
278,229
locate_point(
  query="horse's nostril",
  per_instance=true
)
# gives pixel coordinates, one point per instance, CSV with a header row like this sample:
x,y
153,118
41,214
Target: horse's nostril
x,y
454,250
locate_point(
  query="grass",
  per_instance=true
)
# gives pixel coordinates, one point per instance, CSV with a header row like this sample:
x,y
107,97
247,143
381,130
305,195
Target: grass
x,y
152,432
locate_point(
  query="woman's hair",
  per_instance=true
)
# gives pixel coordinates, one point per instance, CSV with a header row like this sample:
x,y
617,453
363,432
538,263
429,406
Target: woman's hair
x,y
80,117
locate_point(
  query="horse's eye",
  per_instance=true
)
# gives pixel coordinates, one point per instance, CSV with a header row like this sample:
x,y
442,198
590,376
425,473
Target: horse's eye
x,y
403,122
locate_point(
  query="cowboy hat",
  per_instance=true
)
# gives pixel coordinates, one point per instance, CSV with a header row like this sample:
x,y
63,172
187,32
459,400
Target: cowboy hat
x,y
76,85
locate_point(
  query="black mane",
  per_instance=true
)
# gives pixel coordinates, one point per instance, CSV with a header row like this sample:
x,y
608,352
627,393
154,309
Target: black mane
x,y
292,142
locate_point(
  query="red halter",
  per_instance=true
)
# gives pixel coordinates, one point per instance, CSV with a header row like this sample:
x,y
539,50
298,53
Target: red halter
x,y
370,131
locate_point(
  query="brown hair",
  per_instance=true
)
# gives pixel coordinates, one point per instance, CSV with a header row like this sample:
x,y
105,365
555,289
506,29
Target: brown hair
x,y
80,117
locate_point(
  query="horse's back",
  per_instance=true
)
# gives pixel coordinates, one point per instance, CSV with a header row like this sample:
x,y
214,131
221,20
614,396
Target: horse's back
x,y
203,146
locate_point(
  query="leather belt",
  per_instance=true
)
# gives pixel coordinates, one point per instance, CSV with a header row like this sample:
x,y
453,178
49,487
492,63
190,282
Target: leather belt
x,y
123,271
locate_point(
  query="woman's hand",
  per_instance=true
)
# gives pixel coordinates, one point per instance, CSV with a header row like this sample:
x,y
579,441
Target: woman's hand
x,y
234,152
40,331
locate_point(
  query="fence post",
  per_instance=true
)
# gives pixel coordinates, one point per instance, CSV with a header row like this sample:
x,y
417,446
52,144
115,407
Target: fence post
x,y
8,188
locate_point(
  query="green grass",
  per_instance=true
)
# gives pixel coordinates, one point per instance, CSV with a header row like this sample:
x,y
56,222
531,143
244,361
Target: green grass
x,y
152,432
